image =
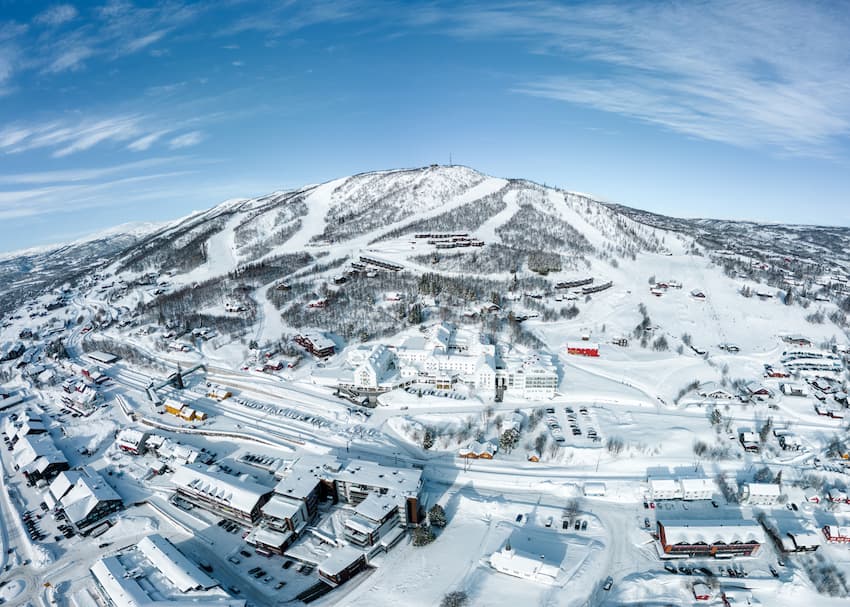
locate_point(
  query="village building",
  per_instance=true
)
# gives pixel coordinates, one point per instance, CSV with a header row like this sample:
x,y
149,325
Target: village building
x,y
38,458
760,494
749,441
709,538
132,441
374,519
715,391
231,497
85,497
316,344
341,564
836,534
542,565
583,348
360,478
801,541
155,573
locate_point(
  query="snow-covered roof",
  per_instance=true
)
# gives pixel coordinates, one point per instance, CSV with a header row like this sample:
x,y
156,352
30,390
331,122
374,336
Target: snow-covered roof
x,y
34,446
300,477
712,532
695,485
532,559
63,483
281,507
88,491
174,565
269,537
123,590
766,489
340,559
236,493
663,485
375,507
406,481
361,524
130,436
318,339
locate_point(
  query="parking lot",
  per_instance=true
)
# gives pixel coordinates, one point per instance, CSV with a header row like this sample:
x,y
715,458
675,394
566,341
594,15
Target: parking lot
x,y
573,425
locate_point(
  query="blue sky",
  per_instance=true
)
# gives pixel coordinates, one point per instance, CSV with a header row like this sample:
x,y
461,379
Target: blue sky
x,y
144,111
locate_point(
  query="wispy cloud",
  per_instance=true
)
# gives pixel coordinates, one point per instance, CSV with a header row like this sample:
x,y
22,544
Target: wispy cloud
x,y
186,140
138,44
81,175
65,137
144,143
16,204
56,15
753,73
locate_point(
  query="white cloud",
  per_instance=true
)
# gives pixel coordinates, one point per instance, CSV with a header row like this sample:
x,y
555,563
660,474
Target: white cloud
x,y
67,137
69,59
186,140
138,44
762,72
56,15
143,143
81,175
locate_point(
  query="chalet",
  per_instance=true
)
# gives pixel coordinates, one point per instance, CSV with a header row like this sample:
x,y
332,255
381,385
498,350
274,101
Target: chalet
x,y
775,372
479,450
38,457
85,497
836,535
316,344
792,389
583,349
715,391
234,306
749,441
800,541
132,441
757,391
722,538
318,304
790,442
702,592
533,456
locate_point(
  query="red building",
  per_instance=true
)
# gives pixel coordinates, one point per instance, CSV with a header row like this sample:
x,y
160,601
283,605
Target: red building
x,y
710,538
316,344
836,534
583,349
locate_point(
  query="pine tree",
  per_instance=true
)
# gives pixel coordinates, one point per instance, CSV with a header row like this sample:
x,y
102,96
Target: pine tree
x,y
428,439
422,536
437,516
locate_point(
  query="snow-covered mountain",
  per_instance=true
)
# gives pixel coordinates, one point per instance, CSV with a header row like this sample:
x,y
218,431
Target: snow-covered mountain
x,y
276,255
